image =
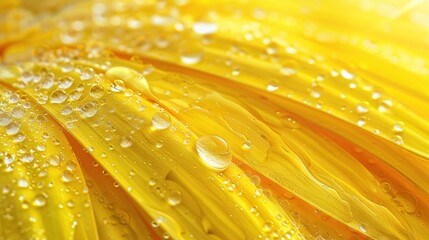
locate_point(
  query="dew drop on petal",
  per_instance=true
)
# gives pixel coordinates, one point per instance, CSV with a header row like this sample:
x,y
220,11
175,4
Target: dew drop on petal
x,y
174,198
65,82
161,120
89,109
126,142
398,127
363,107
58,96
39,200
8,158
117,86
27,158
247,145
87,74
96,91
273,86
214,151
12,128
316,91
5,119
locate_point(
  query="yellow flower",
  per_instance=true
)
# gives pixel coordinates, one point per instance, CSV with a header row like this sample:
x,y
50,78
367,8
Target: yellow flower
x,y
198,119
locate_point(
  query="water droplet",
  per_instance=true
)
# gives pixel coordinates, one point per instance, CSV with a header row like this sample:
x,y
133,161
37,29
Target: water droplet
x,y
14,98
67,110
46,82
8,158
161,120
5,119
398,127
23,183
159,144
17,112
268,226
27,158
39,200
67,67
273,86
12,128
247,145
152,182
347,75
54,160
87,74
174,198
361,122
385,186
398,139
316,91
191,53
362,228
96,91
67,176
27,76
204,28
406,201
58,96
89,109
214,151
287,70
65,82
117,86
147,69
126,141
385,105
363,107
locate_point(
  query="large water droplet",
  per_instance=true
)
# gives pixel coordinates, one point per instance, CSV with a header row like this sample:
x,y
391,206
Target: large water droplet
x,y
161,120
96,91
65,82
191,53
363,107
39,200
58,96
117,86
5,119
174,198
126,142
27,158
214,151
273,86
87,74
89,109
8,158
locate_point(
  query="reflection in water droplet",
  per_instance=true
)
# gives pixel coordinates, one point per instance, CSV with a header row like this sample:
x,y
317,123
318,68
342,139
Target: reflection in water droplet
x,y
214,151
